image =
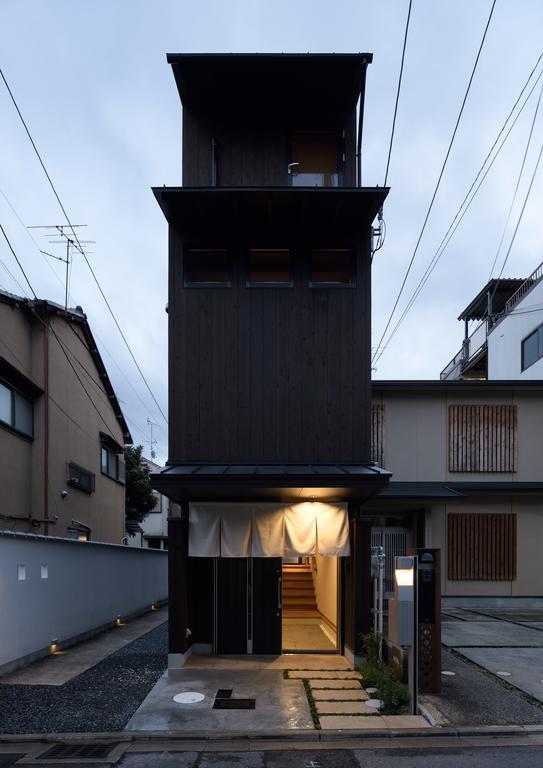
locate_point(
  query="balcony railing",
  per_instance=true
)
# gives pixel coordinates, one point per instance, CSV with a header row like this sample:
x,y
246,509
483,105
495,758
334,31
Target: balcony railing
x,y
526,286
470,347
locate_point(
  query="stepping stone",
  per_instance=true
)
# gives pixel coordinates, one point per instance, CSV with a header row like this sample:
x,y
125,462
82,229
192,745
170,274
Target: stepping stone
x,y
335,684
345,695
405,721
316,675
343,708
336,722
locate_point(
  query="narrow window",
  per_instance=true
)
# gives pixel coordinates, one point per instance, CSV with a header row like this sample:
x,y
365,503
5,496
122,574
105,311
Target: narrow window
x,y
268,267
16,410
204,268
77,534
44,572
532,348
111,463
21,572
332,267
80,478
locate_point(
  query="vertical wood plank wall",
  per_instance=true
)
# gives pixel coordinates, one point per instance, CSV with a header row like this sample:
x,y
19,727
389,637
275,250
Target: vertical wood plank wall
x,y
378,433
481,547
482,438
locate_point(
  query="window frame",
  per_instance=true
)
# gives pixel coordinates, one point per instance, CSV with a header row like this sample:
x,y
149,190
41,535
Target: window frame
x,y
188,250
249,284
72,465
538,333
14,392
329,285
119,476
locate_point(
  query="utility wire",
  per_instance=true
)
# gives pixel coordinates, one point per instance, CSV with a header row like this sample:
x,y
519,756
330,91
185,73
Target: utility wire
x,y
398,92
80,248
516,190
451,142
463,210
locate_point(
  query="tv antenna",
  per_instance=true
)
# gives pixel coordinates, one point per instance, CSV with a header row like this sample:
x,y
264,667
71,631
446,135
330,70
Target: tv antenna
x,y
65,238
152,442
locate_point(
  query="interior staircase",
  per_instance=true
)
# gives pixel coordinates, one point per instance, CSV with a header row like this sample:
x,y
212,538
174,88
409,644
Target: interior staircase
x,y
298,592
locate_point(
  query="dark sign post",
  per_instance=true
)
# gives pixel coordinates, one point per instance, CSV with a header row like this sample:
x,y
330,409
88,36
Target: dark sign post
x,y
429,619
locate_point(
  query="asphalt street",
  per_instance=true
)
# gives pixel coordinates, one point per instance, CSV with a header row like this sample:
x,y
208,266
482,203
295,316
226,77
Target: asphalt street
x,y
502,756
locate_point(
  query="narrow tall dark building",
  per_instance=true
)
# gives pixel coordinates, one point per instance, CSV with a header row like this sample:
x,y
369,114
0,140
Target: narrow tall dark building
x,y
269,356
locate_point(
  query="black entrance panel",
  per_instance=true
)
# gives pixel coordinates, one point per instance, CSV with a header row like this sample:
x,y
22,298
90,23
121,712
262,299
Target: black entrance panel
x,y
267,598
231,605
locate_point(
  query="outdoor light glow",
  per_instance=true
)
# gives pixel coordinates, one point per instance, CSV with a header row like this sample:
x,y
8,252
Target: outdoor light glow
x,y
119,622
404,577
54,646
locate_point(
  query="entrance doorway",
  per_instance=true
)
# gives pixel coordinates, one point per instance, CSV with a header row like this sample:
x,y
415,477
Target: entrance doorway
x,y
310,605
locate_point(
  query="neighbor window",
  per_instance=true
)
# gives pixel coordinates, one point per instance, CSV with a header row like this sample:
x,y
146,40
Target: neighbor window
x,y
532,348
16,410
207,268
111,464
80,478
267,266
332,267
75,533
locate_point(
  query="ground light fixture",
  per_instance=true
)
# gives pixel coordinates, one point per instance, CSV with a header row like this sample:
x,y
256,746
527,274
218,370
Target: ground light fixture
x,y
403,619
119,622
54,646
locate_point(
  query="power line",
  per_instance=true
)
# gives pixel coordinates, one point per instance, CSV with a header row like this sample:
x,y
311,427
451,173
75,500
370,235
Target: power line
x,y
528,142
465,204
80,247
423,228
398,92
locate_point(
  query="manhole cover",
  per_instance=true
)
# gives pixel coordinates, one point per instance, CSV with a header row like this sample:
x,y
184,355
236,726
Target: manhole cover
x,y
374,703
72,751
188,697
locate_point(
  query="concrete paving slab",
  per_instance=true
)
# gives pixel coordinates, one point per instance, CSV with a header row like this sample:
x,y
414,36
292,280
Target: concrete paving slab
x,y
58,669
335,685
284,661
343,708
336,758
525,666
325,694
352,723
324,675
160,760
405,721
483,633
279,703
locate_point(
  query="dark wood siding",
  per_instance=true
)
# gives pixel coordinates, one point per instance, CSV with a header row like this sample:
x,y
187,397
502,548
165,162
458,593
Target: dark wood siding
x,y
482,438
249,157
378,433
270,374
481,547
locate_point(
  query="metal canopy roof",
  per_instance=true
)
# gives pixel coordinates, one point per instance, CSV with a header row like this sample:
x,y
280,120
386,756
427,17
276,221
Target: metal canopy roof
x,y
287,482
478,308
273,83
271,211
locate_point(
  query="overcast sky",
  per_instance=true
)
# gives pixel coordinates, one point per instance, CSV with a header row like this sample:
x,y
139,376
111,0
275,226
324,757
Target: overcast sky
x,y
92,82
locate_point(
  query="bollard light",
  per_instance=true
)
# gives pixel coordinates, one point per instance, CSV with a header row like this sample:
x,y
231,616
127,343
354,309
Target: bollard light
x,y
404,571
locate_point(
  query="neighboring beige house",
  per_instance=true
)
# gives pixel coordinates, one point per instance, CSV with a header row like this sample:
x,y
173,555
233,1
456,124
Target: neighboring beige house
x,y
466,458
61,428
153,531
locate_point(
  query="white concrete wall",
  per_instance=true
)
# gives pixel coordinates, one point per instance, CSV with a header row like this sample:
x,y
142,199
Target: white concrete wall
x,y
504,341
87,586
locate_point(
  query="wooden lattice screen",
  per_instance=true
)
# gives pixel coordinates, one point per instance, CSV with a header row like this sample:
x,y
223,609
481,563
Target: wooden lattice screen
x,y
481,547
482,438
378,433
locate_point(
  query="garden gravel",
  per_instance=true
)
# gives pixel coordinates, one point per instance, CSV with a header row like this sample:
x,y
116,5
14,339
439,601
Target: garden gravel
x,y
103,698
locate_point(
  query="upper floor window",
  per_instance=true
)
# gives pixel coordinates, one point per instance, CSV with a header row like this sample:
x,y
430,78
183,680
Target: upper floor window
x,y
268,267
532,348
332,268
314,161
111,463
80,478
16,410
483,438
207,268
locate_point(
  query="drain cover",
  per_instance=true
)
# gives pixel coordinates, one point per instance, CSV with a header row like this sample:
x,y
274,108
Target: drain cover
x,y
71,751
188,697
224,693
234,704
374,703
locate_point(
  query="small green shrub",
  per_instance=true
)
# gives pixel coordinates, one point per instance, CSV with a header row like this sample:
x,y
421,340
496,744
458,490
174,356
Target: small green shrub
x,y
371,643
393,694
371,674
